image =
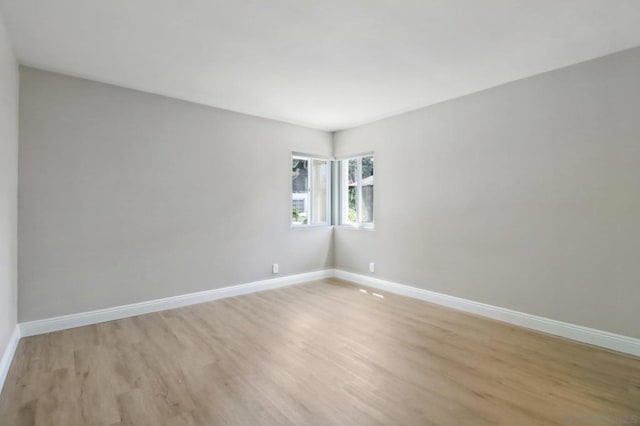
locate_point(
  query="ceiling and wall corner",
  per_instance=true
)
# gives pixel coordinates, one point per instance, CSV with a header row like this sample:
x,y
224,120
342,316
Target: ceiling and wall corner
x,y
329,65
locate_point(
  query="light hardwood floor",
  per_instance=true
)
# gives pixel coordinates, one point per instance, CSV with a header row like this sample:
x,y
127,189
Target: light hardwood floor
x,y
323,353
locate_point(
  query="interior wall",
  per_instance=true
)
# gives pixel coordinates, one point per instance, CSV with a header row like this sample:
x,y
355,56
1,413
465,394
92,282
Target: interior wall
x,y
524,196
8,188
127,196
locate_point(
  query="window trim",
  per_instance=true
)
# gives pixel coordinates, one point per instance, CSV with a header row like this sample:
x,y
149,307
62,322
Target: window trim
x,y
342,183
329,179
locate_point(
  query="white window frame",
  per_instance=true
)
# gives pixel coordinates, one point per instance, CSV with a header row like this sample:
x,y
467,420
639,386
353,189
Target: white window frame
x,y
343,182
309,196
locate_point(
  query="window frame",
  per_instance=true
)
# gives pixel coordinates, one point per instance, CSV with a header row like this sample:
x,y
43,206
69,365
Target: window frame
x,y
343,188
329,185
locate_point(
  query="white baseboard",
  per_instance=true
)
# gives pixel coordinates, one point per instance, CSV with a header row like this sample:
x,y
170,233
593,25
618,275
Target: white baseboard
x,y
579,333
7,356
48,325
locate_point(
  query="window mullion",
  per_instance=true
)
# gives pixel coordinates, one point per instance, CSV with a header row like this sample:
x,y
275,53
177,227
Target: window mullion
x,y
344,184
359,191
329,180
310,192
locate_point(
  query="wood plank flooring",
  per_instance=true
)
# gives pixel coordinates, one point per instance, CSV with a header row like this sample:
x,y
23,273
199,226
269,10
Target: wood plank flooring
x,y
323,353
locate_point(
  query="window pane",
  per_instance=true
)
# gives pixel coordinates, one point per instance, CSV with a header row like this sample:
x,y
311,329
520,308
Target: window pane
x,y
319,191
367,189
299,205
352,191
300,191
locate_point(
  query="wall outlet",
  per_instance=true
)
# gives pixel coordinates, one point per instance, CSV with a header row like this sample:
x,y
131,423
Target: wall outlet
x,y
275,268
372,267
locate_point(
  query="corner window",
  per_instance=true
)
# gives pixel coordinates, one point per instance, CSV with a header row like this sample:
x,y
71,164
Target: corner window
x,y
310,191
356,190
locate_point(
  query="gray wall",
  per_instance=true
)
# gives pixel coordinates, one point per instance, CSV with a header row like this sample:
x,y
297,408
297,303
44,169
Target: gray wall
x,y
8,188
525,196
127,196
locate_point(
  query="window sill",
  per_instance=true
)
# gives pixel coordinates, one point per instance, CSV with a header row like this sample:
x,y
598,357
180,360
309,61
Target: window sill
x,y
358,227
319,226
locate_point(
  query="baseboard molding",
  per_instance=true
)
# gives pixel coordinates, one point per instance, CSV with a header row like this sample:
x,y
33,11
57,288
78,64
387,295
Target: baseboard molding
x,y
64,322
579,333
7,356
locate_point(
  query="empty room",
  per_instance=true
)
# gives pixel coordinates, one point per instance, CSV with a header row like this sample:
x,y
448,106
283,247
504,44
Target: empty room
x,y
305,212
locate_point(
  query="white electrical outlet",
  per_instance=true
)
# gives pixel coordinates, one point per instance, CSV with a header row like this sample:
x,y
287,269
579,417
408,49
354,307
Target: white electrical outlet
x,y
372,267
275,269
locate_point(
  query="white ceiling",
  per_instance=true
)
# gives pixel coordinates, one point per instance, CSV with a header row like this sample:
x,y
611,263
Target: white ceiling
x,y
329,64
